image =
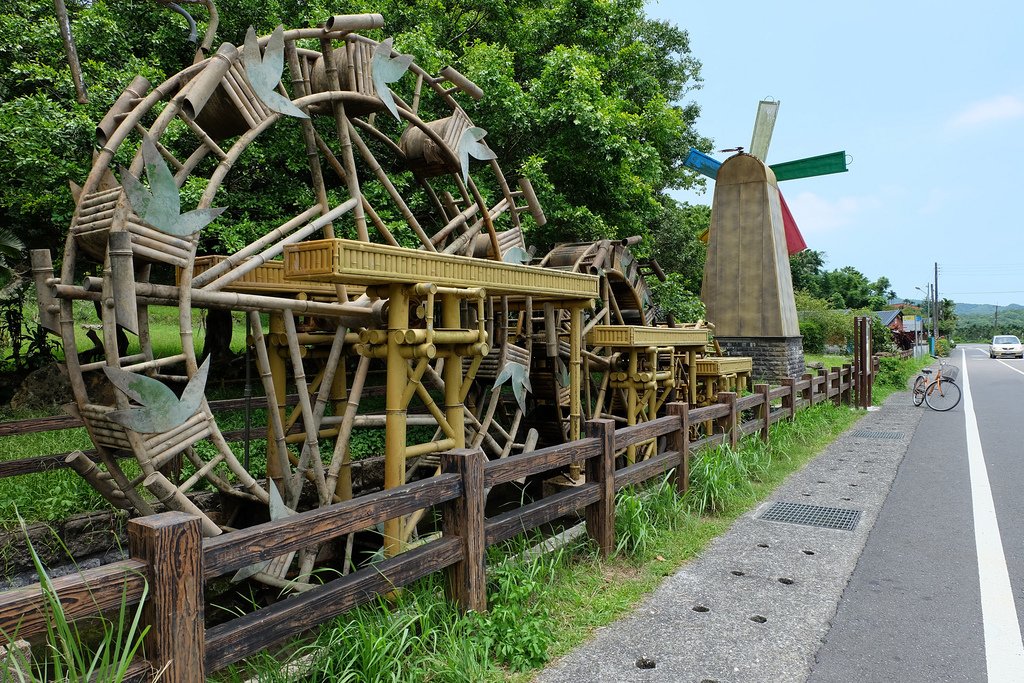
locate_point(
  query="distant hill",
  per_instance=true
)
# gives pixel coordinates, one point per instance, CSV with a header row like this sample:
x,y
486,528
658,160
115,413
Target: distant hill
x,y
983,309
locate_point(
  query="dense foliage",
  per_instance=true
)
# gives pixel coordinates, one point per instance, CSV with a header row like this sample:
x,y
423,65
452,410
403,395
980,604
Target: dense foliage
x,y
579,95
981,326
844,287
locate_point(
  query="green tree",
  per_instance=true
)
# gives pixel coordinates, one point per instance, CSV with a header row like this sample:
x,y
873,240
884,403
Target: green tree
x,y
836,324
579,95
673,298
677,245
947,317
806,268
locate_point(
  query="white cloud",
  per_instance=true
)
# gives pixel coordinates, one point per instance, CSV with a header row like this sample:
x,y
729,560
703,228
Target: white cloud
x,y
1002,108
816,214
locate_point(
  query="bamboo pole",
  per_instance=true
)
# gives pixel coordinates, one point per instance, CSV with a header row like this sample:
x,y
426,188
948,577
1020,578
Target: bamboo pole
x,y
396,197
276,249
339,474
311,451
70,51
255,247
99,480
342,125
394,448
166,493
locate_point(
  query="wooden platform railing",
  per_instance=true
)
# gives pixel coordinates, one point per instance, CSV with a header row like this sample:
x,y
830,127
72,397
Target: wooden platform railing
x,y
169,556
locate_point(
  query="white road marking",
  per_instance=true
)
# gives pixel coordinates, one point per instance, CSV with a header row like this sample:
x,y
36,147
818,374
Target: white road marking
x,y
1018,370
1004,651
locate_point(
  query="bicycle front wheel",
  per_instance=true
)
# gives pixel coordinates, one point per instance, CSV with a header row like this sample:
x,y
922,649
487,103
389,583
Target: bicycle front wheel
x,y
942,396
919,386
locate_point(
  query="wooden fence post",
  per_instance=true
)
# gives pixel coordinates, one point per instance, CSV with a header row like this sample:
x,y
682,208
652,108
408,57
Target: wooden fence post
x,y
836,383
600,469
789,400
464,518
679,441
820,380
765,410
170,543
731,420
808,393
847,385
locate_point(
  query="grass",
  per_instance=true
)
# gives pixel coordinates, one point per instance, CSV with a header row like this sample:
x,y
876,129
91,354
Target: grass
x,y
540,609
828,362
165,332
69,653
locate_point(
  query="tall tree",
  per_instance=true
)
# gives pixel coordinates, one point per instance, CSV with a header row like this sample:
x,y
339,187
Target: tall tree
x,y
580,94
677,246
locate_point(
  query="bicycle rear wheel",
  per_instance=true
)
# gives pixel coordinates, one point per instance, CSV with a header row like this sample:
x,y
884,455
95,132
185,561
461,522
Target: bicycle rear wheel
x,y
942,396
919,386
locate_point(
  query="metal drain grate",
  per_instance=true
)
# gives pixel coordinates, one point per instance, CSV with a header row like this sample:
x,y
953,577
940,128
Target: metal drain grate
x,y
874,434
812,515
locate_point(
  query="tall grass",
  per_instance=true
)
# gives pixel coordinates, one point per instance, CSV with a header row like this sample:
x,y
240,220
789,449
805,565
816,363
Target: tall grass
x,y
69,654
420,636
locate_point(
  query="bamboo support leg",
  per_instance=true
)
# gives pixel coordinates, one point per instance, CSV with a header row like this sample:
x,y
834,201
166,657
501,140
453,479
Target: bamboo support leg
x,y
395,410
277,460
311,451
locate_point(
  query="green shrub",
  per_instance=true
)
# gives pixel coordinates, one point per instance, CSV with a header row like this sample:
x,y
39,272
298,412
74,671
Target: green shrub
x,y
893,372
717,478
814,336
942,346
517,628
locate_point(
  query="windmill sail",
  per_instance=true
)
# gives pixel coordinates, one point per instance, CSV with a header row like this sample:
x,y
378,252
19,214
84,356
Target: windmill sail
x,y
823,164
794,240
702,163
764,124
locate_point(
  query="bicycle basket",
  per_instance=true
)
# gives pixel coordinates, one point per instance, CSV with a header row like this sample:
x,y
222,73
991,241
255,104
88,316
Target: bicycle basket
x,y
950,372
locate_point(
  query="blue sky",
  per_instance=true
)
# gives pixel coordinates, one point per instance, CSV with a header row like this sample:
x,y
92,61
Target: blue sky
x,y
927,98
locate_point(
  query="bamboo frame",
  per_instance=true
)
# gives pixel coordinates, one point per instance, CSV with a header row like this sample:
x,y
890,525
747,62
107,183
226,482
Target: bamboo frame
x,y
317,328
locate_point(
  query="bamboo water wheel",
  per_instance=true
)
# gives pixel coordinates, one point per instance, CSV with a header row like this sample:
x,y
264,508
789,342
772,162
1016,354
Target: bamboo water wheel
x,y
404,276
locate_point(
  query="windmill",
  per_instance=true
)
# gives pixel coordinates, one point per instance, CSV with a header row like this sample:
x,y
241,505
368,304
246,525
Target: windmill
x,y
747,288
808,167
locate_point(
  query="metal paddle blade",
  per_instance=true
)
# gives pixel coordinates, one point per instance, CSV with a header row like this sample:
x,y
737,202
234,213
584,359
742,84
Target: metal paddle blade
x,y
161,410
387,69
278,566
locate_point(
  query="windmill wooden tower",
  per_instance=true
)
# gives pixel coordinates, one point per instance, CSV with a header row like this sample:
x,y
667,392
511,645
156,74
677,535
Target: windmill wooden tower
x,y
747,288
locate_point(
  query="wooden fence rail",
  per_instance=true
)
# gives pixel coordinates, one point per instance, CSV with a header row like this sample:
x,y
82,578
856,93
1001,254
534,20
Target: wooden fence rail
x,y
169,556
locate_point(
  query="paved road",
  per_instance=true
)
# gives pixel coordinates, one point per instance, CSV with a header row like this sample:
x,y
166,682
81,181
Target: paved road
x,y
902,597
913,610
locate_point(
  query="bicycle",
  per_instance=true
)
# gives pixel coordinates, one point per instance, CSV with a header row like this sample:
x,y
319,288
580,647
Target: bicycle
x,y
941,393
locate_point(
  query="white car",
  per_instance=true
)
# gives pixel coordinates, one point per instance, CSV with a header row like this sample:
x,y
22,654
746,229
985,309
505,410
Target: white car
x,y
1005,345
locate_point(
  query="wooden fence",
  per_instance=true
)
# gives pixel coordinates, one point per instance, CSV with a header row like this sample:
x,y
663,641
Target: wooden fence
x,y
168,554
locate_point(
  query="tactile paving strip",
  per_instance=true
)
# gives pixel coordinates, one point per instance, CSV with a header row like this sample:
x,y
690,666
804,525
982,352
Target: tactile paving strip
x,y
842,519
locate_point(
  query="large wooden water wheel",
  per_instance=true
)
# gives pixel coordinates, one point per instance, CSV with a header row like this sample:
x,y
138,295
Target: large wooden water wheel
x,y
398,299
389,152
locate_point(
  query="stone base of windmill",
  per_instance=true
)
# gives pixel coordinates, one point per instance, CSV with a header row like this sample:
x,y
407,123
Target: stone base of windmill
x,y
773,357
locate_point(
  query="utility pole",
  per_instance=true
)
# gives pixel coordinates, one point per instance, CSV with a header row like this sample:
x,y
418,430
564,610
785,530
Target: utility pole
x,y
995,326
935,293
